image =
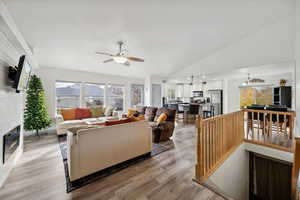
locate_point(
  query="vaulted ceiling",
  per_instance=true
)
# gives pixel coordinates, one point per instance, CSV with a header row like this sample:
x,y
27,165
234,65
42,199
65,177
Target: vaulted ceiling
x,y
169,35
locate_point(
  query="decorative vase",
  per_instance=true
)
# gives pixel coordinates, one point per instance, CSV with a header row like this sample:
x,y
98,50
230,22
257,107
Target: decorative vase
x,y
282,82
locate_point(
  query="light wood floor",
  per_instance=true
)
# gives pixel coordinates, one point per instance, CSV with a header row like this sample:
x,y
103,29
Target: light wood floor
x,y
39,174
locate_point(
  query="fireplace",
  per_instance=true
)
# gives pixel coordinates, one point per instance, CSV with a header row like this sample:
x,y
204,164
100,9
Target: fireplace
x,y
11,142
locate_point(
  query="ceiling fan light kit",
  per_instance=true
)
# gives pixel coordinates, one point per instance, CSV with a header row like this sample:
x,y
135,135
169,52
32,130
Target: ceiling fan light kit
x,y
120,57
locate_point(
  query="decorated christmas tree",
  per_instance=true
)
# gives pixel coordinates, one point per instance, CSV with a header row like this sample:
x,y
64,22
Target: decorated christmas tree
x,y
35,115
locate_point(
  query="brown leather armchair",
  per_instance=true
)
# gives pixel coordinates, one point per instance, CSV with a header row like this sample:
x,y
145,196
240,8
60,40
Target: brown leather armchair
x,y
164,130
141,110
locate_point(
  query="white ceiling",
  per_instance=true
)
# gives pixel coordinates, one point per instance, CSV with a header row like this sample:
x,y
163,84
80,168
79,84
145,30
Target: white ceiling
x,y
260,71
170,35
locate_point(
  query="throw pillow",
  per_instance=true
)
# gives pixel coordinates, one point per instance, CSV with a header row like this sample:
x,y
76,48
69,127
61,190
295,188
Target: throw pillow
x,y
68,114
162,117
141,118
108,111
131,112
82,113
97,111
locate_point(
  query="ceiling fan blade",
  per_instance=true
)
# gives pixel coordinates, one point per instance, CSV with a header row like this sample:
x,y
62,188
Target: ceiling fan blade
x,y
109,60
135,59
103,53
127,63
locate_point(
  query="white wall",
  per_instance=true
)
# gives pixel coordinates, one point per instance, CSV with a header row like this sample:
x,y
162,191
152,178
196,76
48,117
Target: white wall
x,y
232,178
232,93
11,108
12,46
149,80
297,58
49,75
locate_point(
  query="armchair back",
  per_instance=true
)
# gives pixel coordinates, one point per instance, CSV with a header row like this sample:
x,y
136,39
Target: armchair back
x,y
150,113
171,113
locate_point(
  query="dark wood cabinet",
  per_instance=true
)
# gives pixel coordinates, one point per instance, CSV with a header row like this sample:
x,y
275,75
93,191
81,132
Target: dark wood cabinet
x,y
282,96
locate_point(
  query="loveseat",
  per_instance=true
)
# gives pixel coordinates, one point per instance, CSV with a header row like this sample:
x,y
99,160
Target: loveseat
x,y
93,149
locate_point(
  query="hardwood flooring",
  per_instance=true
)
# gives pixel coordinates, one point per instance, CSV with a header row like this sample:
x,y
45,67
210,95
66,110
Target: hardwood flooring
x,y
39,174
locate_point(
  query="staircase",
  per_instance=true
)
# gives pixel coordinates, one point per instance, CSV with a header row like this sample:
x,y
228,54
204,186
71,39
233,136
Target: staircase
x,y
223,139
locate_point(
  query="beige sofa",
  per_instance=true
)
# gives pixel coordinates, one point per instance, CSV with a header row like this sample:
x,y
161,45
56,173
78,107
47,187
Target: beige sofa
x,y
63,125
91,150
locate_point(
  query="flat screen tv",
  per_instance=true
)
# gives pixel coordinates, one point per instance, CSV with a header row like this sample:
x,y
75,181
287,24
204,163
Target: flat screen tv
x,y
23,74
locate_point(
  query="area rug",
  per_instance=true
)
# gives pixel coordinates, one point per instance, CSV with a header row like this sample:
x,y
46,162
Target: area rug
x,y
72,185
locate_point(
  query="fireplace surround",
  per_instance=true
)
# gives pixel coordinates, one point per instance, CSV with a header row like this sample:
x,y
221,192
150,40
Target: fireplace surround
x,y
11,141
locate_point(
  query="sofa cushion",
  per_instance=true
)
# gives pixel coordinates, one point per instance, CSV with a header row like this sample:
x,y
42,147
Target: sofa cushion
x,y
97,111
132,112
150,113
162,118
83,113
68,114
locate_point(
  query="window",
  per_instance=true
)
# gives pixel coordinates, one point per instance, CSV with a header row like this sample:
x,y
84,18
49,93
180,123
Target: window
x,y
72,95
137,95
255,95
115,96
67,95
264,95
93,94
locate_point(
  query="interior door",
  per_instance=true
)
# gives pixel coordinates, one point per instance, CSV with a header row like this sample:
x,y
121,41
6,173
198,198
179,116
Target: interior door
x,y
270,179
156,95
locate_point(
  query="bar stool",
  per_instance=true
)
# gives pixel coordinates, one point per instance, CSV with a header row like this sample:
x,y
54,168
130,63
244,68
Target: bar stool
x,y
180,110
194,110
209,113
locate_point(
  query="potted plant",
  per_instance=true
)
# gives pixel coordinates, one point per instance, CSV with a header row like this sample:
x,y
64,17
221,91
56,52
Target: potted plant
x,y
282,82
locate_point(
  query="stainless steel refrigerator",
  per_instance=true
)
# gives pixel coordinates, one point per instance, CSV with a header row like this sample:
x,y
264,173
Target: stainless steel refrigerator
x,y
216,100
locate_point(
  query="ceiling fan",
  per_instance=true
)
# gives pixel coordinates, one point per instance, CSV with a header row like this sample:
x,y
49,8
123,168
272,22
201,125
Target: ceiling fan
x,y
191,81
120,57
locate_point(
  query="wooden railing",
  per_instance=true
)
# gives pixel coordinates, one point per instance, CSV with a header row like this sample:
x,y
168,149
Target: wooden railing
x,y
296,167
217,138
270,128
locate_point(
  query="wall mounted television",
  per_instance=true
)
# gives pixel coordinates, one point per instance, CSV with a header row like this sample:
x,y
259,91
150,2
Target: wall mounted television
x,y
23,74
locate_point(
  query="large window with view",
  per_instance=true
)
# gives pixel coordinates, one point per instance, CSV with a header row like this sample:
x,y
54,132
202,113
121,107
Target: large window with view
x,y
115,96
255,95
137,95
67,95
94,94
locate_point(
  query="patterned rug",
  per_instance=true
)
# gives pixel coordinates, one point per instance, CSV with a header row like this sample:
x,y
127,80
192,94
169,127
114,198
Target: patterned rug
x,y
72,185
